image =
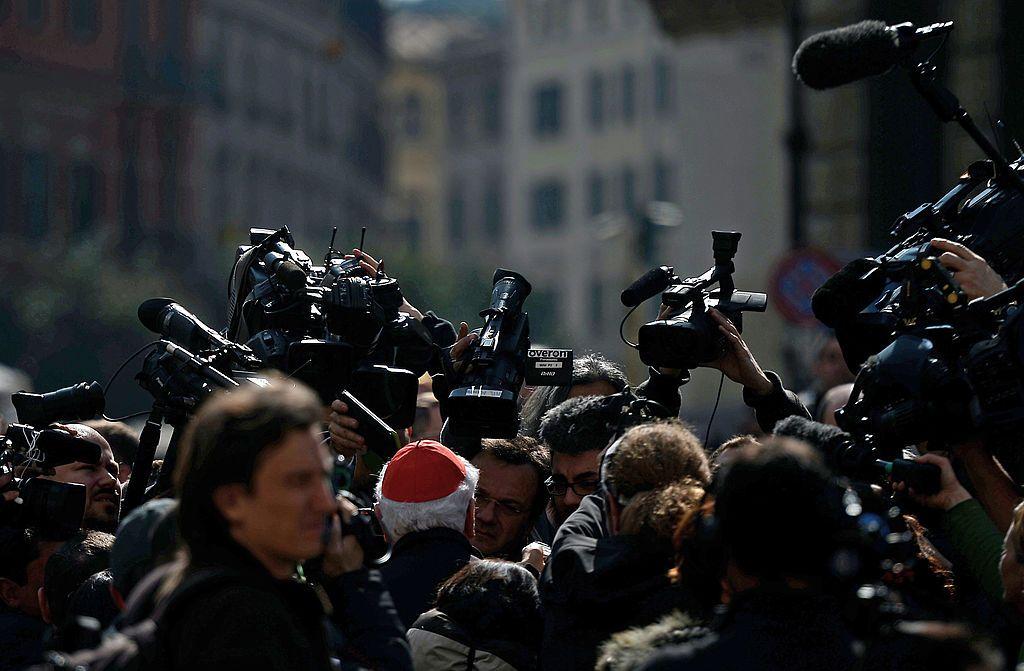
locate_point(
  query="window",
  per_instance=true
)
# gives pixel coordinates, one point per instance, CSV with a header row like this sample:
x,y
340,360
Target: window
x,y
548,110
492,110
412,113
84,19
307,110
628,94
596,100
456,216
597,15
662,85
662,180
493,222
85,195
4,180
456,117
628,190
596,194
33,13
252,99
597,321
548,204
35,193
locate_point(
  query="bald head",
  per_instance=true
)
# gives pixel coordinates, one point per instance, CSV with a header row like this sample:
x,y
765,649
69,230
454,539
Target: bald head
x,y
103,490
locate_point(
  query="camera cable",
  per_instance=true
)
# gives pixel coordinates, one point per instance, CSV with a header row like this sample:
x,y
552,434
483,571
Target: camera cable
x,y
622,325
117,372
711,420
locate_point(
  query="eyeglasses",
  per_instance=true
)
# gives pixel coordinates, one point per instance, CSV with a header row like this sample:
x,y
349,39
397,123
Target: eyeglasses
x,y
559,486
509,508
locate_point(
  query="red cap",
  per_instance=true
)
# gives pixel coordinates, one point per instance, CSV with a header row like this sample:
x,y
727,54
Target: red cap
x,y
422,471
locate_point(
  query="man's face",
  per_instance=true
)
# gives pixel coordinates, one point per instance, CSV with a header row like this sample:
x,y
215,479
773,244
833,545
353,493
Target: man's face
x,y
25,598
102,488
583,470
280,517
504,496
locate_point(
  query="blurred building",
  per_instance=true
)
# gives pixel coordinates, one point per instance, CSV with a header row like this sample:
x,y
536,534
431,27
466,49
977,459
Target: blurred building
x,y
606,115
445,91
92,121
287,130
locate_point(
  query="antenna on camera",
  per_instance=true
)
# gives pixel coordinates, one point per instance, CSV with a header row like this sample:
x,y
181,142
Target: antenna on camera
x,y
331,251
362,239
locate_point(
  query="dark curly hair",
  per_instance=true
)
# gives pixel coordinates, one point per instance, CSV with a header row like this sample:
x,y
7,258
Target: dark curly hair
x,y
582,424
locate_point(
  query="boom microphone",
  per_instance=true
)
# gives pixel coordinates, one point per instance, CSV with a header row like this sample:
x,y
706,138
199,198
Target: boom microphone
x,y
865,49
652,282
281,266
164,316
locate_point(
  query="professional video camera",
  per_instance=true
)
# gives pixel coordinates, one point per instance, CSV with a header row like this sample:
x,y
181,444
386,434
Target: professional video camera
x,y
939,368
877,563
27,452
689,337
332,326
485,389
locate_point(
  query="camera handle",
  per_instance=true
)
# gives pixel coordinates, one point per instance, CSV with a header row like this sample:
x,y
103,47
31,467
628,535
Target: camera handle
x,y
137,493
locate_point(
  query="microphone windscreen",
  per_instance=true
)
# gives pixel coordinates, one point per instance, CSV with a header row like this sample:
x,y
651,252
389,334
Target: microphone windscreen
x,y
150,312
840,56
653,281
818,435
291,275
846,293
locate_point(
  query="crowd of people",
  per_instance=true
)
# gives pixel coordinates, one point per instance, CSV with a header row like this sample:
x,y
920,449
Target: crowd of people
x,y
596,538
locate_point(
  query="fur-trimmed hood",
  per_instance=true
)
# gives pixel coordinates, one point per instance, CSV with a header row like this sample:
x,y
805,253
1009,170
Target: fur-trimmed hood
x,y
628,649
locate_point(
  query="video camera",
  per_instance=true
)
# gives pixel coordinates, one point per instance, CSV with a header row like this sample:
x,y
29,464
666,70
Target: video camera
x,y
936,367
689,337
485,391
332,326
27,452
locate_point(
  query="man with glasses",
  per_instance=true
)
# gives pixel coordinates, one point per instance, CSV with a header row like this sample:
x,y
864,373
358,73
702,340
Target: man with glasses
x,y
576,431
510,495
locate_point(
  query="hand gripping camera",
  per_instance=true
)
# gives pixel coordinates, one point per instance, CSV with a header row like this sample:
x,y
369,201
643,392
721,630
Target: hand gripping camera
x,y
690,337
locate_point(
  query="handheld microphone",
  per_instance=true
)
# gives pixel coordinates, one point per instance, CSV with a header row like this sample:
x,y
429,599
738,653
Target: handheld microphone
x,y
654,281
843,55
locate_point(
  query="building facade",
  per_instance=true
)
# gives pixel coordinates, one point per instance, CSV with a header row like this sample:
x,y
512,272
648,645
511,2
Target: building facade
x,y
608,115
287,130
91,128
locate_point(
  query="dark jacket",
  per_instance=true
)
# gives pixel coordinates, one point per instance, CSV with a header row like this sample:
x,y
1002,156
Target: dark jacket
x,y
21,639
595,585
249,619
420,561
779,403
785,630
438,643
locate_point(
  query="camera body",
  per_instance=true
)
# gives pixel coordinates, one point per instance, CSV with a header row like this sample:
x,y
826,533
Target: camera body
x,y
332,326
27,452
934,366
484,396
689,337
